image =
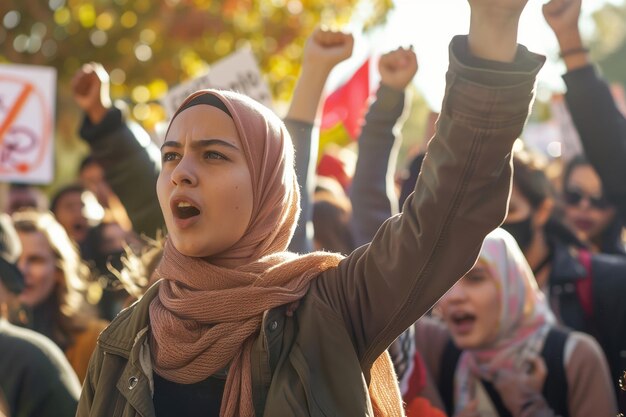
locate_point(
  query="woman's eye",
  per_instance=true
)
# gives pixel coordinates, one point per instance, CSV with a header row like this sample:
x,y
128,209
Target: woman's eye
x,y
474,277
169,156
214,155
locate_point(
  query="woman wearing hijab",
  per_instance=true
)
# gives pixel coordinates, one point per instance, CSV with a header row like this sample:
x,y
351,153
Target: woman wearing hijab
x,y
500,353
235,326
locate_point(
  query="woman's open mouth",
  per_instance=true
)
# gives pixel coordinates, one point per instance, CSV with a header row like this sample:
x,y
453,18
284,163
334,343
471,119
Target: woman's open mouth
x,y
185,212
462,322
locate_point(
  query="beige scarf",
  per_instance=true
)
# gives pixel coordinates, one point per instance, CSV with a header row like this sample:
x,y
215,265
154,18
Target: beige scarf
x,y
206,317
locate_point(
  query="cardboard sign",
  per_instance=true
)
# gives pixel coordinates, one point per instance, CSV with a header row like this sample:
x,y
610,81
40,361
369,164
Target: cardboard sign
x,y
27,101
237,72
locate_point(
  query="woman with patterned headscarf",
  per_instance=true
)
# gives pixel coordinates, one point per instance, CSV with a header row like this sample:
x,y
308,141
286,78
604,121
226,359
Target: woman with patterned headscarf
x,y
499,352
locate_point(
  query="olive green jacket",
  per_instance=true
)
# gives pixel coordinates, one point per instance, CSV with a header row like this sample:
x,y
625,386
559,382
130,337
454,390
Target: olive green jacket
x,y
317,363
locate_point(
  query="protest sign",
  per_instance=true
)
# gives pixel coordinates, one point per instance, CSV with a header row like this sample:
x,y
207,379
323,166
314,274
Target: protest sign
x,y
27,105
237,72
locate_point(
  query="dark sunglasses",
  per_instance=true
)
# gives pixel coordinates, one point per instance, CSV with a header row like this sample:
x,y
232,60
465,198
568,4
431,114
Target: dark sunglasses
x,y
574,198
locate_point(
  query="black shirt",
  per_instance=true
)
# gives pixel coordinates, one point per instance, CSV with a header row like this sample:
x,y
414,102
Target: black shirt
x,y
202,399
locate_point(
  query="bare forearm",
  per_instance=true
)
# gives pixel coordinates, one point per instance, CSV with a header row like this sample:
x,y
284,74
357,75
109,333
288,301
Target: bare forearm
x,y
493,35
307,94
573,51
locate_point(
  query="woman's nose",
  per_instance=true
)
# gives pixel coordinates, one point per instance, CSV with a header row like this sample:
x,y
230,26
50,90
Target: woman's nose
x,y
457,293
185,173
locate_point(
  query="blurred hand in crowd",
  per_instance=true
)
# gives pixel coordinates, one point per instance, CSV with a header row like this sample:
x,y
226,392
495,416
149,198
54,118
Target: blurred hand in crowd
x,y
323,50
397,68
326,48
519,389
90,87
562,16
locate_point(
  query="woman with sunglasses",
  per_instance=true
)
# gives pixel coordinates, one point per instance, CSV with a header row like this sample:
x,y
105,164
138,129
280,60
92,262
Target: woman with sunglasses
x,y
587,211
585,290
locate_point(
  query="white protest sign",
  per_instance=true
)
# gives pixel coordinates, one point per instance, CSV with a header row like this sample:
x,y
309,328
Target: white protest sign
x,y
27,105
237,72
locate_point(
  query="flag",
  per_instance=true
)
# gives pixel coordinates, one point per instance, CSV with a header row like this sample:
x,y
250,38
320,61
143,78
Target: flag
x,y
346,106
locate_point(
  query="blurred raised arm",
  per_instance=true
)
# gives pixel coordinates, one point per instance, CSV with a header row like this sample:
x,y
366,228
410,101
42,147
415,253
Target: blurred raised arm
x,y
323,50
372,192
131,161
600,124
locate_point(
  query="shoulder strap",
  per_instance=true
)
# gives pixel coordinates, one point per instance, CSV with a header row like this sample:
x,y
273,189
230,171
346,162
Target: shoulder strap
x,y
555,387
448,363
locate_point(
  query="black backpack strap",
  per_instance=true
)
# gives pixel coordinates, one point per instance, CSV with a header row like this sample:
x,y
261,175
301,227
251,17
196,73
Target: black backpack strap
x,y
555,387
447,368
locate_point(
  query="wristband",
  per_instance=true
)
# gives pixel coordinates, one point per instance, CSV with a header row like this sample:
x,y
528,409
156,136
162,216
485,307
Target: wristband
x,y
574,51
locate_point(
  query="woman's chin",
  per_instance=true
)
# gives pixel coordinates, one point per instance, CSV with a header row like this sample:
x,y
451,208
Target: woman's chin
x,y
187,248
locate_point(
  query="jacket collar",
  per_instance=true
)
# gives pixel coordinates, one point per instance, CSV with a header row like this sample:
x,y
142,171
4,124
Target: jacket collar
x,y
566,266
120,336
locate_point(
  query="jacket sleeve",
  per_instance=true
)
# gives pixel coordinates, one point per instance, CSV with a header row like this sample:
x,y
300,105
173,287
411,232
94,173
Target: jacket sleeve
x,y
131,162
602,130
305,147
590,392
416,256
372,191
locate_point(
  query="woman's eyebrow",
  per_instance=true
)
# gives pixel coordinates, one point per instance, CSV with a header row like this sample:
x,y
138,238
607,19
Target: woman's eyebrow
x,y
202,143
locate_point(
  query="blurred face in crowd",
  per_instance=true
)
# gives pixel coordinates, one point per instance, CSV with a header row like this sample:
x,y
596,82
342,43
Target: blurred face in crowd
x,y
39,267
113,238
471,309
69,211
204,188
519,219
25,198
92,178
587,211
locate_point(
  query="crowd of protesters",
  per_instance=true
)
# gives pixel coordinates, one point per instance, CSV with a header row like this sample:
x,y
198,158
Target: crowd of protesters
x,y
221,275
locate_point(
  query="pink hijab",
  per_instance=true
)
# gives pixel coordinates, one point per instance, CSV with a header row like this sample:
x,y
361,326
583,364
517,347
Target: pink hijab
x,y
205,317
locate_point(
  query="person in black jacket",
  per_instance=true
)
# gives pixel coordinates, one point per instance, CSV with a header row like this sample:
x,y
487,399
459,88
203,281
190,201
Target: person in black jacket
x,y
600,124
585,290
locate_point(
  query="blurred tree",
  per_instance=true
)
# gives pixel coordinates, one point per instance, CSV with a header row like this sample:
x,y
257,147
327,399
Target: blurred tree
x,y
149,45
608,45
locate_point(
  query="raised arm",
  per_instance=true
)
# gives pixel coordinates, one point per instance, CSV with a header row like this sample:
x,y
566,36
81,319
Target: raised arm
x,y
462,194
372,191
131,161
323,50
600,124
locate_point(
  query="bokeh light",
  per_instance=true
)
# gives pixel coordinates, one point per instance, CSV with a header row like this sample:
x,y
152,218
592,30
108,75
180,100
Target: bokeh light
x,y
20,43
128,19
143,52
104,21
140,94
117,76
141,111
87,15
11,19
147,36
62,16
55,4
98,38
